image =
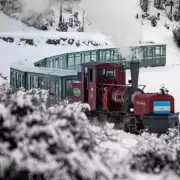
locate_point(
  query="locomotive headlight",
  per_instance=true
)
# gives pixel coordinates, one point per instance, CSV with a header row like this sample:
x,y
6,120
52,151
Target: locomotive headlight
x,y
131,109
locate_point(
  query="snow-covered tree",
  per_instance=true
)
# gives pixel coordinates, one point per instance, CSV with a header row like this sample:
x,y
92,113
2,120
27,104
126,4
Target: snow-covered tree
x,y
144,5
176,34
158,4
155,154
42,21
11,8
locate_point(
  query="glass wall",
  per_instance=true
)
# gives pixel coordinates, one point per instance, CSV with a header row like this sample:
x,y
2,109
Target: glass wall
x,y
71,60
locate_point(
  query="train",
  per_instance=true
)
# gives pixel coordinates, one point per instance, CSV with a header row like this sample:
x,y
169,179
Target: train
x,y
103,86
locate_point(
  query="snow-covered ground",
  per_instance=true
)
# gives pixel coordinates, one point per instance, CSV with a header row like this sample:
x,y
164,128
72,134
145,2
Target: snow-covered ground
x,y
12,25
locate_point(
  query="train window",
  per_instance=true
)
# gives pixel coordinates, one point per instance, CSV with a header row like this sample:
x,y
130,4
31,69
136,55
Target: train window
x,y
116,55
35,82
163,50
111,56
87,57
50,63
140,53
71,60
60,93
23,81
83,58
16,79
19,79
107,54
56,63
149,52
103,56
11,78
77,59
68,90
92,74
57,88
64,63
103,74
29,82
30,85
157,51
60,63
44,83
52,87
93,56
32,81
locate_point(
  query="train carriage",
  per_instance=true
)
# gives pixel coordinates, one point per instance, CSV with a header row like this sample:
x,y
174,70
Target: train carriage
x,y
57,81
151,55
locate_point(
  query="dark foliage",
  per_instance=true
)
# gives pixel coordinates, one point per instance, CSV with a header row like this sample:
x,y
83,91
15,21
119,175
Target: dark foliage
x,y
156,154
176,34
39,143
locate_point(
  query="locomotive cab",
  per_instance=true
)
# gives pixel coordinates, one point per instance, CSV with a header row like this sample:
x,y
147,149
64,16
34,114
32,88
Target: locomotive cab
x,y
103,86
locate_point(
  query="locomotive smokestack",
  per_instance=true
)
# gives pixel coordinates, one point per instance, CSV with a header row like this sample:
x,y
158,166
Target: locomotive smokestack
x,y
134,66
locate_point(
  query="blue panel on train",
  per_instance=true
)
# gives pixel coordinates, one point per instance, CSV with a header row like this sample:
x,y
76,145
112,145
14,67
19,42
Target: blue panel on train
x,y
162,107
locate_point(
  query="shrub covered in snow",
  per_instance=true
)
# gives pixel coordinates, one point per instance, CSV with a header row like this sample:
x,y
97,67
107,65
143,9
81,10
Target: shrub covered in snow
x,y
153,21
176,34
40,21
144,5
11,8
40,143
155,154
176,15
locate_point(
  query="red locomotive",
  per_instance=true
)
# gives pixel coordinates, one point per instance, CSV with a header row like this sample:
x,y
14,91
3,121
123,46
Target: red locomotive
x,y
103,86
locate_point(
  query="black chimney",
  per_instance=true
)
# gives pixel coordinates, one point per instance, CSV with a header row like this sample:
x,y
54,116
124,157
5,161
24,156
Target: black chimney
x,y
134,66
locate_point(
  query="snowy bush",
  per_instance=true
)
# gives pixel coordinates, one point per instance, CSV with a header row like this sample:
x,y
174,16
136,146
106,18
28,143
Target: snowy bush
x,y
40,21
158,4
11,8
153,21
176,34
176,15
40,143
154,154
144,5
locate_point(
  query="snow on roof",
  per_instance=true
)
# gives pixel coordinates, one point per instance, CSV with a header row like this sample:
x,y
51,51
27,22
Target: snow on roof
x,y
39,70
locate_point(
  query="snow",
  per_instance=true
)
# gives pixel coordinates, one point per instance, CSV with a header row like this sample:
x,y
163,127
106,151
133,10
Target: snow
x,y
22,66
118,143
12,25
113,19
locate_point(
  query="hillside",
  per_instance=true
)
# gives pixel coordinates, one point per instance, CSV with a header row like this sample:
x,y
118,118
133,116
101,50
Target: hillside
x,y
44,14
